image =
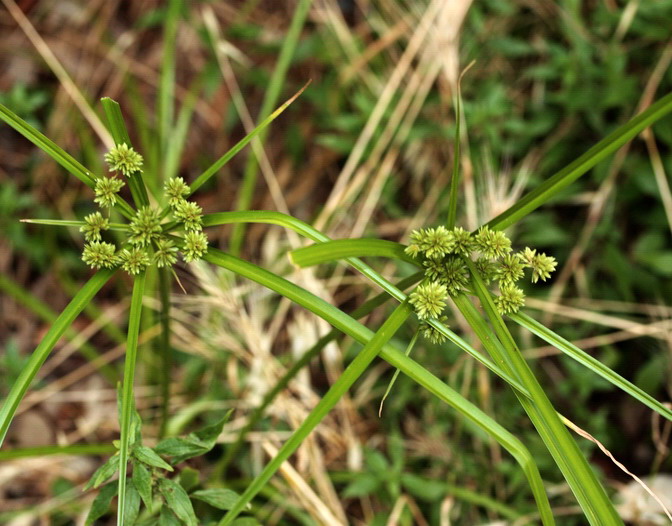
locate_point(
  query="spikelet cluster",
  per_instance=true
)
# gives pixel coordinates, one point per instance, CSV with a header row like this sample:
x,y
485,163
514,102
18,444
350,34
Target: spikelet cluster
x,y
442,253
153,237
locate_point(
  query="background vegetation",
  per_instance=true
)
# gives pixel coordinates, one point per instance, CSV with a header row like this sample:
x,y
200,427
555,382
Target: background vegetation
x,y
366,150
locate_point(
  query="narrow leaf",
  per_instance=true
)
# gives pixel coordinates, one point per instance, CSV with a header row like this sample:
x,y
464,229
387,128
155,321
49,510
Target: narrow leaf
x,y
132,506
220,498
179,448
103,473
143,483
148,456
612,142
347,248
64,320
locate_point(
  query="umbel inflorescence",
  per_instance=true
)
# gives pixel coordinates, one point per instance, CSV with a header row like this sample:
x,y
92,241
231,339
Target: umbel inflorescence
x,y
152,235
442,252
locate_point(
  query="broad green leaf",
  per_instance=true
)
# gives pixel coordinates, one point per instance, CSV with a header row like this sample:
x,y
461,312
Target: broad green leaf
x,y
209,434
148,456
64,320
220,498
101,504
103,473
132,505
345,248
142,480
168,518
612,142
363,485
178,501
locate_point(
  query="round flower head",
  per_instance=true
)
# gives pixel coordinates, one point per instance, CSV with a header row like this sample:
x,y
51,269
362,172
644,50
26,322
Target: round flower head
x,y
95,223
429,299
133,260
189,213
145,226
541,264
176,190
455,276
195,245
436,242
511,300
414,248
99,255
492,243
106,190
434,269
122,158
463,244
510,269
432,334
165,253
487,269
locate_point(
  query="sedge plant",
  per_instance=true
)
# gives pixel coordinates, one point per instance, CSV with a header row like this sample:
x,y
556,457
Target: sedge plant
x,y
163,223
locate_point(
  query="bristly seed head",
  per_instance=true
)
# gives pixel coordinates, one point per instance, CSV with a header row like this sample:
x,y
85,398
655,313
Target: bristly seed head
x,y
195,245
492,243
95,223
165,253
190,214
106,190
122,158
510,269
455,276
511,299
99,255
145,226
463,244
134,260
176,191
541,264
432,334
429,299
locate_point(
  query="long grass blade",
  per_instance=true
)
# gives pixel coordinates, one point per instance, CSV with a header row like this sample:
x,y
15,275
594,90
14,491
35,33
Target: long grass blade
x,y
582,480
346,248
127,398
612,142
351,373
589,362
394,357
58,328
304,229
120,135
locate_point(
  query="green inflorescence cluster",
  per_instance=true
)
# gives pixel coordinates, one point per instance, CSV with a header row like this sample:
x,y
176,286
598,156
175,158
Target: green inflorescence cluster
x,y
442,252
151,240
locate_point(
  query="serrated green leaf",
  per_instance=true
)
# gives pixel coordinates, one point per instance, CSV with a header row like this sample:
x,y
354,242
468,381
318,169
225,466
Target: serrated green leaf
x,y
103,473
131,504
220,498
101,504
178,501
179,448
143,483
150,457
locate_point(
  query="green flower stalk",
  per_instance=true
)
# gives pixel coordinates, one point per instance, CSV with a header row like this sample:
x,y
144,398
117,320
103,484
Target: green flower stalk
x,y
429,299
195,245
99,255
176,190
106,190
123,158
95,224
